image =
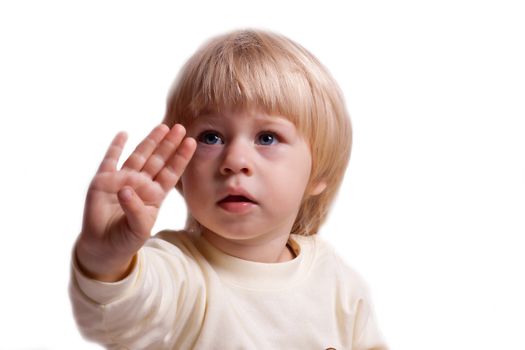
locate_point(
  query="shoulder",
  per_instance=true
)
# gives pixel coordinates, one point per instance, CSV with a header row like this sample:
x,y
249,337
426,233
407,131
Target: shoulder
x,y
180,238
173,244
326,260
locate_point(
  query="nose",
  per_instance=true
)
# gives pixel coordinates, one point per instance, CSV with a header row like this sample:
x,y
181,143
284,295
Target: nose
x,y
237,159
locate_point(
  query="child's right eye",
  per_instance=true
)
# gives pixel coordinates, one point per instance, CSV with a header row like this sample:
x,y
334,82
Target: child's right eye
x,y
210,138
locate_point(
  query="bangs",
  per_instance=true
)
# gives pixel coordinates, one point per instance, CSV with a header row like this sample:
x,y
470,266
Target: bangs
x,y
241,71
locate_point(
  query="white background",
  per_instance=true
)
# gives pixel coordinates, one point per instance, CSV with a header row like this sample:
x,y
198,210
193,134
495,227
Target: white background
x,y
432,211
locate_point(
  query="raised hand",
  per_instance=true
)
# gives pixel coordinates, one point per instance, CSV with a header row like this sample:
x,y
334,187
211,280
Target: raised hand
x,y
122,205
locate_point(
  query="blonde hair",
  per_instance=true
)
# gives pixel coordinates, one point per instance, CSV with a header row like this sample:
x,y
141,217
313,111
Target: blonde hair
x,y
253,68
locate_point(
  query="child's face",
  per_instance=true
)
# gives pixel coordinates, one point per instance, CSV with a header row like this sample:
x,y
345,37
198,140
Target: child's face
x,y
248,175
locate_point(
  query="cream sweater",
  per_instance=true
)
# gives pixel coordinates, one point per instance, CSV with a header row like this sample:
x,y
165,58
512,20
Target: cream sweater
x,y
183,293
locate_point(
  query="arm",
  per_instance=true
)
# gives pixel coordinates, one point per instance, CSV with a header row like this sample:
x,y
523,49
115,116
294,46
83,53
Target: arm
x,y
110,277
149,309
358,310
366,332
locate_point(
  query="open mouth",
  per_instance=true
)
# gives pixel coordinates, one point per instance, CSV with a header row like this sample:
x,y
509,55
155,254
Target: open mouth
x,y
237,204
236,199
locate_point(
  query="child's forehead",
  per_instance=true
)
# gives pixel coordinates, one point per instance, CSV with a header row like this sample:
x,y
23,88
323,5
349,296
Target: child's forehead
x,y
231,115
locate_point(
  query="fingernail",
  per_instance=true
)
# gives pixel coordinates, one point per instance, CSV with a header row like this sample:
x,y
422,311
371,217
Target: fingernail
x,y
125,194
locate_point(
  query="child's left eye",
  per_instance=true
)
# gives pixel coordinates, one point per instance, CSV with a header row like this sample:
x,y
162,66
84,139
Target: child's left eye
x,y
266,138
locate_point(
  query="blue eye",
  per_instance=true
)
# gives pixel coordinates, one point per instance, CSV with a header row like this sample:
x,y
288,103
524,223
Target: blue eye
x,y
210,138
266,139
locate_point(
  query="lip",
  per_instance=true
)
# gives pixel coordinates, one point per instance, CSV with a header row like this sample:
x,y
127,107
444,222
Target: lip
x,y
237,207
237,191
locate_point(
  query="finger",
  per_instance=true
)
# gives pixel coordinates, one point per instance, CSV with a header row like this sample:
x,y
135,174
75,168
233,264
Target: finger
x,y
170,174
138,219
143,151
109,163
169,144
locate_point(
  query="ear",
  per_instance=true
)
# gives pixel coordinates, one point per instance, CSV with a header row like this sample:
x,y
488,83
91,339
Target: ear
x,y
317,188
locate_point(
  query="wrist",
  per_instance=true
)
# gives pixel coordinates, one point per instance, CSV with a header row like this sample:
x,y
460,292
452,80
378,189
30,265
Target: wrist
x,y
101,269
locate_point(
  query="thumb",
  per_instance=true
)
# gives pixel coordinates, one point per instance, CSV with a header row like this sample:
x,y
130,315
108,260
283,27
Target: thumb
x,y
137,217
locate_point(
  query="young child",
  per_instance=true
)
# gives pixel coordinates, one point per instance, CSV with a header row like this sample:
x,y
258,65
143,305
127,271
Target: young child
x,y
256,138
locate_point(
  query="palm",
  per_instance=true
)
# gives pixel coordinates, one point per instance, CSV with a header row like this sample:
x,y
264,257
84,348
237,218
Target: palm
x,y
116,225
105,206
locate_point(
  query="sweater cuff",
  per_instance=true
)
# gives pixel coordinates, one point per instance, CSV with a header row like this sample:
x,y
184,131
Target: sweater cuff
x,y
106,292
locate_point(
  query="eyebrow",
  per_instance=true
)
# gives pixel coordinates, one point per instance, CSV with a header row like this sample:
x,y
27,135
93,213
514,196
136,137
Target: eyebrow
x,y
205,119
285,127
213,118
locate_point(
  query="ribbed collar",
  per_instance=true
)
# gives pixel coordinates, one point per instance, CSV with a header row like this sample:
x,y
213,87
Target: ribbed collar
x,y
260,276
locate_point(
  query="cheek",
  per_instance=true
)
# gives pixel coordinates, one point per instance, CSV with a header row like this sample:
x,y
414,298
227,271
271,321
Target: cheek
x,y
289,181
205,153
273,154
202,163
198,176
194,191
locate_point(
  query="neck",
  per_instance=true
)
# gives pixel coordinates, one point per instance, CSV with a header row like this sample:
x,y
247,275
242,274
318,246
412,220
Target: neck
x,y
269,250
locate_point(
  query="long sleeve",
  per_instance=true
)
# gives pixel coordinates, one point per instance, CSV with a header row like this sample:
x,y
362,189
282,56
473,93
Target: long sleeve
x,y
366,332
149,309
357,318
